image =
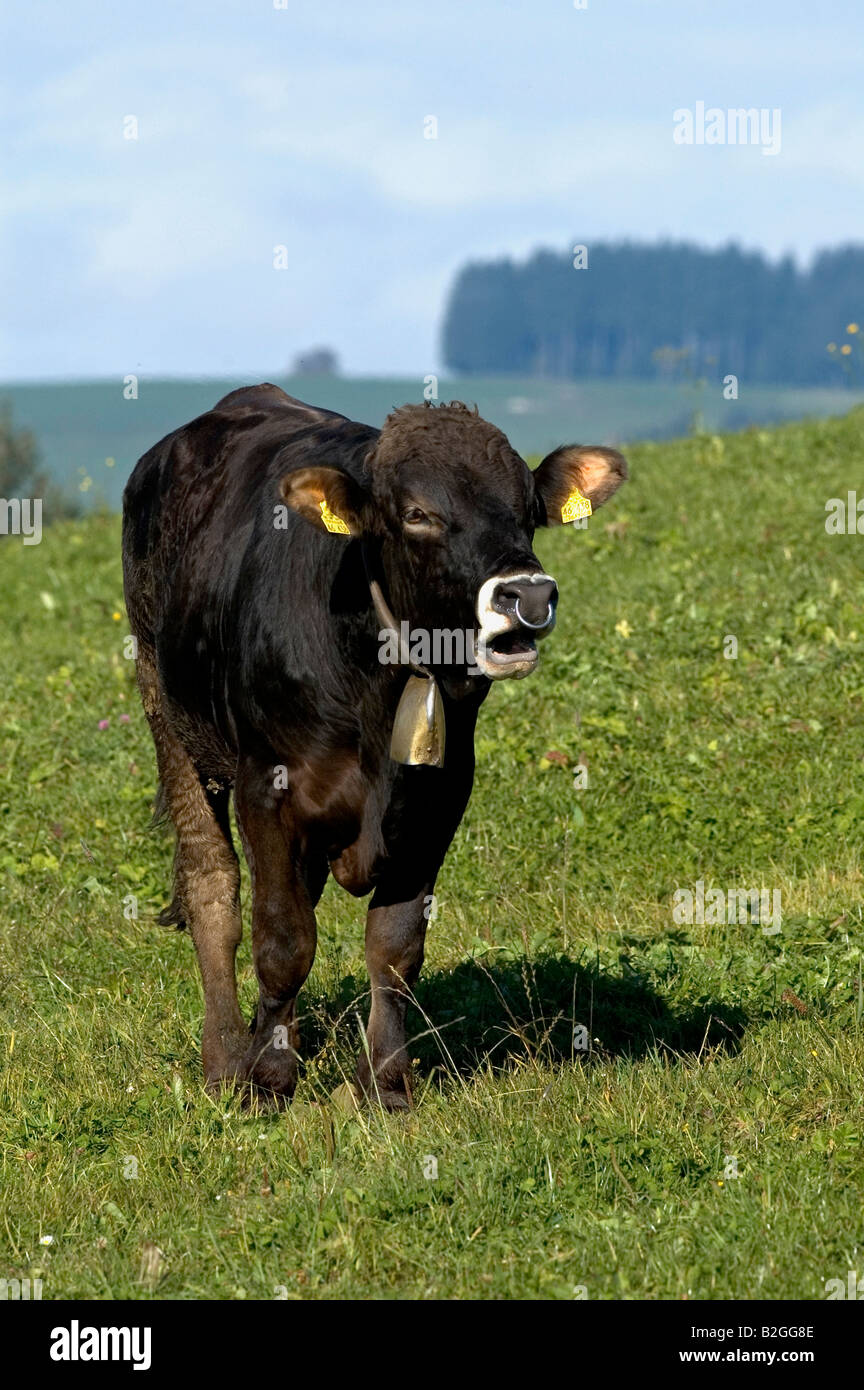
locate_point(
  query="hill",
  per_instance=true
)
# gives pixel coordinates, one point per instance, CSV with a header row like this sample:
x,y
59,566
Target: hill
x,y
705,1143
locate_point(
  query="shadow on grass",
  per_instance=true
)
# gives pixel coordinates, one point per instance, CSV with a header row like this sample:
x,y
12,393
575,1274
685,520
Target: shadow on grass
x,y
480,1014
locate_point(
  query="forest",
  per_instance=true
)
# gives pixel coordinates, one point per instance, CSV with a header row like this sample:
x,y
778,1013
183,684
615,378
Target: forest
x,y
673,309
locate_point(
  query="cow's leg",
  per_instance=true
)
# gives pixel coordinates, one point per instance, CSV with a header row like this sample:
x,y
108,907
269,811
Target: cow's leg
x,y
283,926
398,914
395,939
206,883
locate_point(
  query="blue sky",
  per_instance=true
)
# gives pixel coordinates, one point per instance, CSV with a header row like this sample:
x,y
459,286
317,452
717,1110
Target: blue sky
x,y
302,127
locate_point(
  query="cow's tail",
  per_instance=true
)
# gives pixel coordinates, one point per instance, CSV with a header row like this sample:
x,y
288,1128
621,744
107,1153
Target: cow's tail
x,y
160,808
174,914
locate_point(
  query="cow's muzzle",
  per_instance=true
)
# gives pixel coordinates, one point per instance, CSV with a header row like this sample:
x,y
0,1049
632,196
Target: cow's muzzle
x,y
514,611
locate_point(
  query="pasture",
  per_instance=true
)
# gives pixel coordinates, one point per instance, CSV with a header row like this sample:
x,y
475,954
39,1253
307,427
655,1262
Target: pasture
x,y
706,1143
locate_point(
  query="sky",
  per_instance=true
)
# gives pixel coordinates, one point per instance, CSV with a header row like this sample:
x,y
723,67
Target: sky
x,y
302,124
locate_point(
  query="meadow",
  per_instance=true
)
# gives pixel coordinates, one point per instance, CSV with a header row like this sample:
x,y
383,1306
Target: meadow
x,y
609,1103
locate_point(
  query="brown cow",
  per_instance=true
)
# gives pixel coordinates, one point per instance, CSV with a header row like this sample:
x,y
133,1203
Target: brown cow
x,y
269,548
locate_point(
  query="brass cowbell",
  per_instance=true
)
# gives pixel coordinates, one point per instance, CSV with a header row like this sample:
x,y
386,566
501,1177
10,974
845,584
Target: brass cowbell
x,y
419,727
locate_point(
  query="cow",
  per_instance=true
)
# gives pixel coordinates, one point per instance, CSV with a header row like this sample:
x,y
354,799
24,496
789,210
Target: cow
x,y
269,547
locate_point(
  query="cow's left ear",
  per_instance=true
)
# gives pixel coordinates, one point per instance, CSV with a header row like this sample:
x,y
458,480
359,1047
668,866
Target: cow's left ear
x,y
329,498
573,475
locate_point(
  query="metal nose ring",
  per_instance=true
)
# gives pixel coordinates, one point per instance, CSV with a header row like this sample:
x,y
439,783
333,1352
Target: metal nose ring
x,y
536,626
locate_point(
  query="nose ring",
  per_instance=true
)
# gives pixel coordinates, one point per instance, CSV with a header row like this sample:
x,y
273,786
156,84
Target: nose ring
x,y
536,626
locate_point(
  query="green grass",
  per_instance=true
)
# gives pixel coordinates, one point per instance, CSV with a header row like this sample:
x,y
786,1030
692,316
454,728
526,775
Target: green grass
x,y
556,1169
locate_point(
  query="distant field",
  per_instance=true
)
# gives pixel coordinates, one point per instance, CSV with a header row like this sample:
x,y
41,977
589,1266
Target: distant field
x,y
81,425
708,1143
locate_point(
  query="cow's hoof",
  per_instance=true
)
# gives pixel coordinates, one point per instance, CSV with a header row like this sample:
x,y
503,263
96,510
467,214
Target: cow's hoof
x,y
222,1058
393,1101
390,1092
261,1098
269,1077
387,1097
222,1081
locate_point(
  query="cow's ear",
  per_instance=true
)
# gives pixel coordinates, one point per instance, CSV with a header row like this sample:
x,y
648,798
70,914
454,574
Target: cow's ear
x,y
573,477
327,497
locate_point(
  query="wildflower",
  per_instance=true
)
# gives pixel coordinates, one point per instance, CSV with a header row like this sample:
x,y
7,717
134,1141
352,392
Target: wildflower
x,y
623,628
852,328
124,719
46,1240
832,347
845,349
103,724
116,617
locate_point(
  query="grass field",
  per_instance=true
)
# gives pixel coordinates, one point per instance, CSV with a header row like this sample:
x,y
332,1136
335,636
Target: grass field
x,y
715,1050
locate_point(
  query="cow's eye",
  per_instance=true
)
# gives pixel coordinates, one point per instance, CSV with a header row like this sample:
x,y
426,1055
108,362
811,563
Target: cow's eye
x,y
415,516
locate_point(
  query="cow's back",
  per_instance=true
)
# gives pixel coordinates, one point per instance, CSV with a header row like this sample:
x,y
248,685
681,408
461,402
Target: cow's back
x,y
192,501
210,581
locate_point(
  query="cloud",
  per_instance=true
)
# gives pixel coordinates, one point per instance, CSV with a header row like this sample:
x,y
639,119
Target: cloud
x,y
304,128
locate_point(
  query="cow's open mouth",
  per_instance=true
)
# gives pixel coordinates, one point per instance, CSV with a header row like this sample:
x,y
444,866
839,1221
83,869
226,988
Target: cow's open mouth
x,y
516,644
512,653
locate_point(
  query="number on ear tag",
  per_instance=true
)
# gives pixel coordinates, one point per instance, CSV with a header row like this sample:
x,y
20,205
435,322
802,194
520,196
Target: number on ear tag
x,y
332,521
575,507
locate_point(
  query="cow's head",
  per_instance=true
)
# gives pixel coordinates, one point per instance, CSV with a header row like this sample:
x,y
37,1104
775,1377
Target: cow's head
x,y
450,511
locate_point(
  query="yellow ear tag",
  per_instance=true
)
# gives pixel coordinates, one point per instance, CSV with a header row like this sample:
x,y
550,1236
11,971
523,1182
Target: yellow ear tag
x,y
575,507
332,521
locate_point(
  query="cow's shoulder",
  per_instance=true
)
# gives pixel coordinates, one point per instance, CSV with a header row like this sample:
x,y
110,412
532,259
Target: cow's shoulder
x,y
273,399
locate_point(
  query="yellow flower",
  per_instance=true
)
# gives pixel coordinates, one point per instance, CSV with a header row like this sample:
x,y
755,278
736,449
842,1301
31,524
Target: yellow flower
x,y
832,347
845,350
851,328
116,617
623,628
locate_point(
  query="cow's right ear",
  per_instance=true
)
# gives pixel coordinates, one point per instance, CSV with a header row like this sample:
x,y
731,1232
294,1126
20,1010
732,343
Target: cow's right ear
x,y
329,498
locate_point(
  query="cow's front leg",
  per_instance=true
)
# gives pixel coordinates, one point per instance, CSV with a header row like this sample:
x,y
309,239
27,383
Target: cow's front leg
x,y
395,938
422,819
283,929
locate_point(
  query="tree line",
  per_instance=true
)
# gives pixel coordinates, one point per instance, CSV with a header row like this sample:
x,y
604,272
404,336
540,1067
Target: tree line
x,y
640,310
